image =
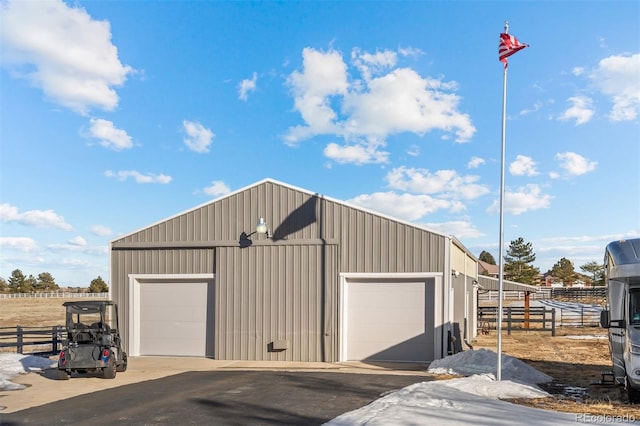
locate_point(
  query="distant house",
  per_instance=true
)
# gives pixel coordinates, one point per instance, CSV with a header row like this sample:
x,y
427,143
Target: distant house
x,y
488,269
316,280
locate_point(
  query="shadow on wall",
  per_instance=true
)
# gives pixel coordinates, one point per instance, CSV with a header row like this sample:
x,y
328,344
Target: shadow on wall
x,y
418,350
298,219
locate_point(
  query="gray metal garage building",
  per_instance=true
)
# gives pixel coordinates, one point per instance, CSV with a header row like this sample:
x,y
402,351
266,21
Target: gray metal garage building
x,y
327,281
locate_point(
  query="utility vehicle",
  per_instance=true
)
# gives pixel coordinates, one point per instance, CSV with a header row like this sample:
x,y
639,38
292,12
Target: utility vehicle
x,y
92,342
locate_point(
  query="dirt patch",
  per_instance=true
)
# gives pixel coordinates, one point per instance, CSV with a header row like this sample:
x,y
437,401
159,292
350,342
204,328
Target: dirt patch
x,y
575,358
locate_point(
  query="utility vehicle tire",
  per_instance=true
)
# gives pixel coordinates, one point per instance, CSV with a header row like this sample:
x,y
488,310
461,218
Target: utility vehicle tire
x,y
62,375
122,367
109,372
633,394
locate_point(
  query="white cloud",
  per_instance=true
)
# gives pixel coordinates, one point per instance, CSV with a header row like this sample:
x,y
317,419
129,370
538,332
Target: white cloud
x,y
403,101
529,197
460,229
446,183
425,193
575,164
577,71
217,189
247,86
108,135
536,107
356,154
373,63
101,230
383,101
198,137
523,165
18,243
414,150
581,110
37,218
475,162
138,177
617,78
78,241
403,206
73,247
410,51
63,51
324,75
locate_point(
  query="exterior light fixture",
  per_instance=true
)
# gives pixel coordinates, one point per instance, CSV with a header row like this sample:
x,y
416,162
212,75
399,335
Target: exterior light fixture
x,y
261,228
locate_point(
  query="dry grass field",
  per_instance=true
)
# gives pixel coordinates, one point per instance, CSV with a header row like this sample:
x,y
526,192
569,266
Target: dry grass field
x,y
573,363
32,312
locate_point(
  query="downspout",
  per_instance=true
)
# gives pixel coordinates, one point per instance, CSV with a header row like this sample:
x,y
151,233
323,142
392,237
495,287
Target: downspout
x,y
446,299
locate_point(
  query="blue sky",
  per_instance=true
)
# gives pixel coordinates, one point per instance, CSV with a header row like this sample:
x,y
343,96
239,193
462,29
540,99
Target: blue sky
x,y
115,115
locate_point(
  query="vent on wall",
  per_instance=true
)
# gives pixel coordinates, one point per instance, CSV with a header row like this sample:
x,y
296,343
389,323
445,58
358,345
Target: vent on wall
x,y
278,345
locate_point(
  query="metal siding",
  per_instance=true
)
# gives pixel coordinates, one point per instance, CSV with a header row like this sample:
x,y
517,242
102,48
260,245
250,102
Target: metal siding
x,y
170,261
268,293
367,243
458,258
372,243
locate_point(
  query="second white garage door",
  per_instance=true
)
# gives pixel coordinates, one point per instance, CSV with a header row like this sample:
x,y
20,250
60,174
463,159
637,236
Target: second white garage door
x,y
389,321
174,318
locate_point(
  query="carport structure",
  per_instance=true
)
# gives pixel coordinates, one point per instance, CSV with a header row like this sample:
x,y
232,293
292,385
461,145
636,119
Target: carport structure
x,y
317,280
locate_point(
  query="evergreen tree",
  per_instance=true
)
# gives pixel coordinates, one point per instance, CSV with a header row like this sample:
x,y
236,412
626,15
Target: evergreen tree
x,y
98,286
563,271
4,287
518,263
487,257
30,284
18,283
596,270
46,282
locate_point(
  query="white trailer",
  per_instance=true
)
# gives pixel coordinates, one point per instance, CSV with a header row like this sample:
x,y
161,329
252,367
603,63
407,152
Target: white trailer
x,y
622,317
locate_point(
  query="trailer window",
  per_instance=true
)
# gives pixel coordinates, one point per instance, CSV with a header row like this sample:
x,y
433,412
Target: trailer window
x,y
634,306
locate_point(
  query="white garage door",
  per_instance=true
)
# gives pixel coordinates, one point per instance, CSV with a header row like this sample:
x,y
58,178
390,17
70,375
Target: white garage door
x,y
173,318
389,321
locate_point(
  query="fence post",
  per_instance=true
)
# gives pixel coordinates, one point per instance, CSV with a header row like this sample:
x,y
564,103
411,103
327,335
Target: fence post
x,y
19,347
509,321
553,322
54,339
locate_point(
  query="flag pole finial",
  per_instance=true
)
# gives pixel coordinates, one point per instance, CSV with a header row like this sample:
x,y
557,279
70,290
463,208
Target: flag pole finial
x,y
506,27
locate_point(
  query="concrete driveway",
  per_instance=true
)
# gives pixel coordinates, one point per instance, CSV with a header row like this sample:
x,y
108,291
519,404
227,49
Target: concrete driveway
x,y
203,391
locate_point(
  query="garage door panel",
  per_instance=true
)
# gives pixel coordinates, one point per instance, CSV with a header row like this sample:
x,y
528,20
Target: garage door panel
x,y
389,321
174,314
174,318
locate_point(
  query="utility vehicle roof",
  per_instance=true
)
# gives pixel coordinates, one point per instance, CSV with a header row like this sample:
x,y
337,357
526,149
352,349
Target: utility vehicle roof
x,y
87,306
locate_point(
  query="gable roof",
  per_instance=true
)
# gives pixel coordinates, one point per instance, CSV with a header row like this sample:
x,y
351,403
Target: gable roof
x,y
484,267
301,190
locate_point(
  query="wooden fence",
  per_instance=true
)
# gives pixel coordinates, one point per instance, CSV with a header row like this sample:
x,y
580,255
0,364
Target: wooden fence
x,y
39,340
517,319
578,293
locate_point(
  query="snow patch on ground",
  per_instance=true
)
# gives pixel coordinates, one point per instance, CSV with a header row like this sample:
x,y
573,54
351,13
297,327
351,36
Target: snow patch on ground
x,y
485,361
12,365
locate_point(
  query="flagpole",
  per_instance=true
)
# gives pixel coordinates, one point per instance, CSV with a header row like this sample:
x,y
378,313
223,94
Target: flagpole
x,y
501,245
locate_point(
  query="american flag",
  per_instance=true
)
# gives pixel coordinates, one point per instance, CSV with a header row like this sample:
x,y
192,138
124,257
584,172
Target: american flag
x,y
508,46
